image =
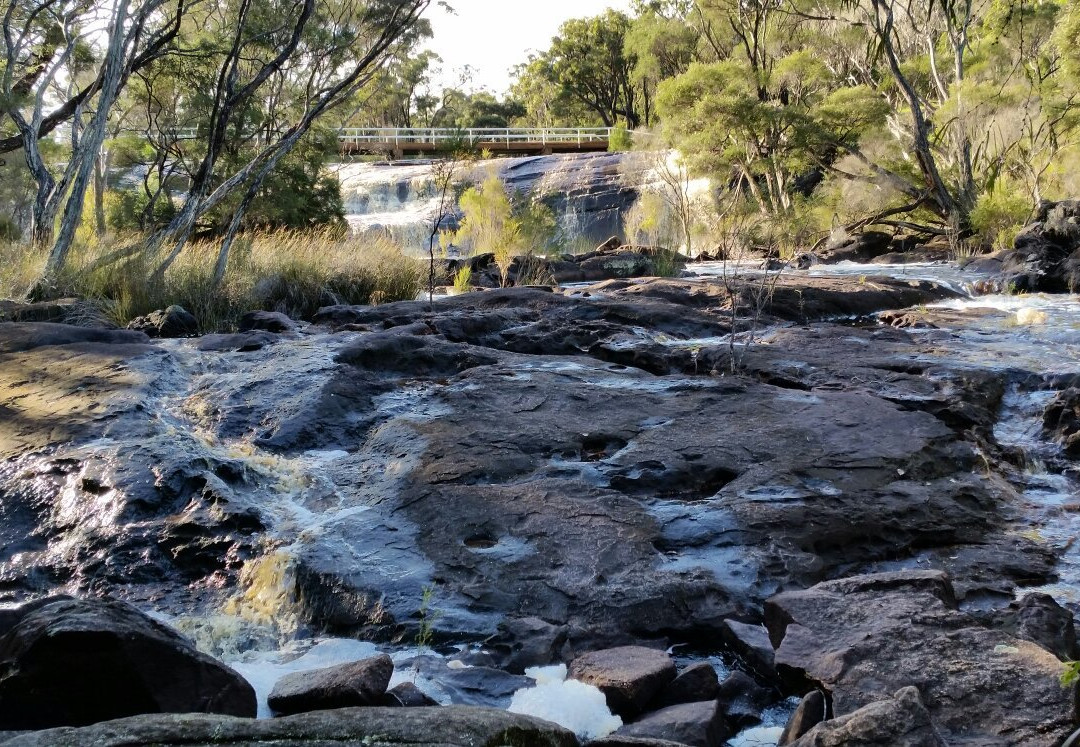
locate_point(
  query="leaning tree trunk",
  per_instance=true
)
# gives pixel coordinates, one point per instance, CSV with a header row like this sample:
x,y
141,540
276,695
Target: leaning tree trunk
x,y
89,146
100,170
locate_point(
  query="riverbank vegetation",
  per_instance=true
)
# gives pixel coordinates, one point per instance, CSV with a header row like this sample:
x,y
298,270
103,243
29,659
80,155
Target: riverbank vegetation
x,y
294,272
181,132
947,119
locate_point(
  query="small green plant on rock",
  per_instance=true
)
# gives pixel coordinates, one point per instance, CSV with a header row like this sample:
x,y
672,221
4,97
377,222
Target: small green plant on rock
x,y
1071,675
425,632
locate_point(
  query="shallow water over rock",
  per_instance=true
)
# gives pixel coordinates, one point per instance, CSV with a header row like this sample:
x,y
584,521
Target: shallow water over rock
x,y
583,458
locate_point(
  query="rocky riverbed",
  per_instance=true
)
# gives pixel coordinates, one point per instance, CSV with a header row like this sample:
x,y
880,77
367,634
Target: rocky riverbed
x,y
885,480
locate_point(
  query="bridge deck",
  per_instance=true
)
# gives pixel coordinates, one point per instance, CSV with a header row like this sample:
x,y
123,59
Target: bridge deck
x,y
513,141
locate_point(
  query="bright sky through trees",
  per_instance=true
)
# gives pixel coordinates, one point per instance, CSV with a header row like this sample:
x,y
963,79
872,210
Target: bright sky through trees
x,y
491,36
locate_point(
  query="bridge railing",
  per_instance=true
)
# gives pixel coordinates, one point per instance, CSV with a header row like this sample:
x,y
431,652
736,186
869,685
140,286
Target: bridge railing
x,y
396,136
393,136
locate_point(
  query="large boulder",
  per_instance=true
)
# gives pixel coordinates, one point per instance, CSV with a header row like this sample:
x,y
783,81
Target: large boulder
x,y
69,662
266,321
743,699
859,247
360,683
523,642
371,727
407,695
1046,254
900,721
467,685
863,638
751,644
175,321
629,676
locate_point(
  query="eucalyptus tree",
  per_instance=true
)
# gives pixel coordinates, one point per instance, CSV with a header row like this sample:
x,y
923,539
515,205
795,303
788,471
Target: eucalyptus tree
x,y
588,66
67,61
304,57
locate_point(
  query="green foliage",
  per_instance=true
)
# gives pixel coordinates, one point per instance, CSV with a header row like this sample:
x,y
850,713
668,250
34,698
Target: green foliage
x,y
127,211
488,224
999,216
478,110
587,67
667,263
621,140
298,195
296,273
425,632
1071,675
463,279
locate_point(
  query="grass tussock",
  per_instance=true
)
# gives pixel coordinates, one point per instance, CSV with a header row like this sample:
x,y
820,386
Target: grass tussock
x,y
296,273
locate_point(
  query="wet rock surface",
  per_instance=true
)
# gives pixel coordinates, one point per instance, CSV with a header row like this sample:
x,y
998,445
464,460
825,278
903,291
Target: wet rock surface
x,y
579,470
696,724
67,662
457,726
1062,421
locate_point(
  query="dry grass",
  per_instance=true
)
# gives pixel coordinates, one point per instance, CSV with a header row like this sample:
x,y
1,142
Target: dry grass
x,y
292,272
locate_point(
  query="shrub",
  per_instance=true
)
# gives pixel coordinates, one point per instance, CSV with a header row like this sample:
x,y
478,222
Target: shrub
x,y
999,216
463,279
488,224
621,140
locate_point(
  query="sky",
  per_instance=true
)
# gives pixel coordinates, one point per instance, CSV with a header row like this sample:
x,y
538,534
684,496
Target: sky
x,y
492,36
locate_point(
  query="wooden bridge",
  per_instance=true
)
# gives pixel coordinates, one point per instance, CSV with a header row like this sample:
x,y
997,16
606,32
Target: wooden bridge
x,y
400,142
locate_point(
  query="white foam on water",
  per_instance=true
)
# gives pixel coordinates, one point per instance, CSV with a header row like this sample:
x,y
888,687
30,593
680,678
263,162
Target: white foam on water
x,y
759,736
574,705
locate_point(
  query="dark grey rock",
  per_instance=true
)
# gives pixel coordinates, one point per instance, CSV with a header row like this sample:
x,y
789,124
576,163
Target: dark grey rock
x,y
266,321
694,684
240,342
1046,254
862,638
407,695
523,642
1040,619
743,700
373,727
1062,421
473,686
174,321
695,724
69,662
752,645
360,683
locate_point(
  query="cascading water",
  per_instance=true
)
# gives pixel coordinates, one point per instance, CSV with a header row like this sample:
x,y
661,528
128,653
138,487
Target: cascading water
x,y
588,193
